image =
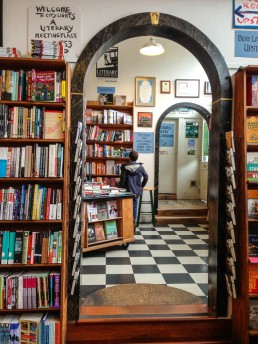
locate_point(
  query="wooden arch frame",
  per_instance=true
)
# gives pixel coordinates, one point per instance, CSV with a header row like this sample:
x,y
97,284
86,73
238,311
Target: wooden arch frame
x,y
191,38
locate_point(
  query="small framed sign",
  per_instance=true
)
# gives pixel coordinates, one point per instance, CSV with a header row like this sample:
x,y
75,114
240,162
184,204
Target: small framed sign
x,y
187,88
145,119
145,91
164,86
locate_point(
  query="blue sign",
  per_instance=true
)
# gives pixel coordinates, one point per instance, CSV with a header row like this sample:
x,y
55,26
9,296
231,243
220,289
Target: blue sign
x,y
144,142
166,135
246,43
107,90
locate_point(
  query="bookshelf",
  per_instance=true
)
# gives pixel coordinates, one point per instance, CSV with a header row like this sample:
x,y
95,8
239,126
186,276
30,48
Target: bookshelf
x,y
34,179
107,212
109,138
245,107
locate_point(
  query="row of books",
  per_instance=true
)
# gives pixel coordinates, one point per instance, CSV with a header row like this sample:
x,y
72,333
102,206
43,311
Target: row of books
x,y
32,161
31,122
252,90
106,151
107,167
102,210
252,166
31,202
29,247
101,231
47,49
37,328
98,134
35,85
112,181
107,116
30,290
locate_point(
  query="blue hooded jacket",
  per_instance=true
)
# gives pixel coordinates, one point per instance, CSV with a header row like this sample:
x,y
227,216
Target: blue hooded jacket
x,y
133,177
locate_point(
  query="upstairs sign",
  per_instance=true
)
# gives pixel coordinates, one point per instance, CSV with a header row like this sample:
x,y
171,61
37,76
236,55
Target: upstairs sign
x,y
245,14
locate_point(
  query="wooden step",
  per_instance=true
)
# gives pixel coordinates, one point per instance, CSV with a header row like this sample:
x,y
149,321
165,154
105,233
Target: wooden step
x,y
167,196
183,211
180,219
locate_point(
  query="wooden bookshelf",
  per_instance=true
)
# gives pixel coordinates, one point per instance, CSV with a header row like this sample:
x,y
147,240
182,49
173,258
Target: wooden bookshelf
x,y
97,146
40,225
124,223
243,108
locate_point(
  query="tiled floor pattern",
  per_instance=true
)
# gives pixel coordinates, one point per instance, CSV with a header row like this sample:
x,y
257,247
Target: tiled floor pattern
x,y
175,255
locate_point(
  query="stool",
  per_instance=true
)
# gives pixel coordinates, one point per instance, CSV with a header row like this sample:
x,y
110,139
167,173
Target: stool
x,y
146,202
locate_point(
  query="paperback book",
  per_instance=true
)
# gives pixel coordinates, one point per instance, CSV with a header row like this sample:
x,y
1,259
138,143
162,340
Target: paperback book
x,y
102,210
111,229
99,231
112,209
91,233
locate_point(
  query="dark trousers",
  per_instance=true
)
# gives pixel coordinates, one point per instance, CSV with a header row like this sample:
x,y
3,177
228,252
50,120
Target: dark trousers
x,y
135,208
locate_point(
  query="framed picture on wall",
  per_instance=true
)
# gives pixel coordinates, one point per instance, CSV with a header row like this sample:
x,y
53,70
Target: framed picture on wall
x,y
145,119
164,86
187,88
207,87
145,91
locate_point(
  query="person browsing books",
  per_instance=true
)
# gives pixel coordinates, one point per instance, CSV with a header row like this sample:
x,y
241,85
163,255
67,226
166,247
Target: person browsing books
x,y
134,178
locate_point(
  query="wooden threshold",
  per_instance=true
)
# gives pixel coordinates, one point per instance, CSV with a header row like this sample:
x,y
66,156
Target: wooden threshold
x,y
109,312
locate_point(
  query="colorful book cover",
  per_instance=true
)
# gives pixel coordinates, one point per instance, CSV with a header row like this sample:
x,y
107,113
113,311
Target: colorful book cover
x,y
43,85
91,233
102,210
92,211
253,247
111,229
11,247
99,231
53,125
112,209
5,247
252,129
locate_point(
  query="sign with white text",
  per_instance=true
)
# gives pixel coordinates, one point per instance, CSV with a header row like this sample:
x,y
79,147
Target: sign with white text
x,y
56,23
166,135
245,13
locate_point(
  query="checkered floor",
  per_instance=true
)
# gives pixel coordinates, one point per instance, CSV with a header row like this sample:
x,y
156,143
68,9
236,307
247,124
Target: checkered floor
x,y
175,255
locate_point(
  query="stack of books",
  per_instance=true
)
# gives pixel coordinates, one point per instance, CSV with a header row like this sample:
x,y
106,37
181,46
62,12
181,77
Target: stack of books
x,y
9,52
47,50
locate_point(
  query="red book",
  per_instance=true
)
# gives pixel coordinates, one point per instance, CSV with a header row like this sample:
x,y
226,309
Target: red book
x,y
29,260
48,203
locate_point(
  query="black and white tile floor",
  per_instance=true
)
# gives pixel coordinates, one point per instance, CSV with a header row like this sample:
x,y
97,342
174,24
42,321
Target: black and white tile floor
x,y
175,255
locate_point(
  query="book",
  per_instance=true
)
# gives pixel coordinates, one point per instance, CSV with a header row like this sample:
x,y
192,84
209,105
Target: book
x,y
43,85
112,209
252,129
91,233
253,314
53,127
111,229
102,210
253,247
252,203
29,327
99,231
92,211
106,98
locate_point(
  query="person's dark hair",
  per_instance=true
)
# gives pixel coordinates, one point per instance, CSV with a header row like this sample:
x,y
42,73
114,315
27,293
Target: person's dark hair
x,y
133,155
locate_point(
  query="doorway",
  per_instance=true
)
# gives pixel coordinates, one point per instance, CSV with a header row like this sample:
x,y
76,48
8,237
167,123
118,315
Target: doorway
x,y
185,34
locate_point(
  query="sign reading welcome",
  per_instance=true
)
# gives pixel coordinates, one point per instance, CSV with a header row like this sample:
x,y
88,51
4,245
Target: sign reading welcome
x,y
56,23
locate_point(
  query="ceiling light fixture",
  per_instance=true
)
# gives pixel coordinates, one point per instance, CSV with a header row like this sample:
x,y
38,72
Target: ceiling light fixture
x,y
152,48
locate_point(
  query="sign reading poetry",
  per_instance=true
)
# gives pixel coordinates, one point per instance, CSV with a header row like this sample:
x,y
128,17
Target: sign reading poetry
x,y
56,23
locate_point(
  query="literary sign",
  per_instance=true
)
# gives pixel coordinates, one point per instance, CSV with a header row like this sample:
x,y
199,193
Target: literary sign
x,y
56,23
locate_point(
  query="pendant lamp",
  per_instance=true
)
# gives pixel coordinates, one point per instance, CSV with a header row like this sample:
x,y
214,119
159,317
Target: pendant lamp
x,y
152,48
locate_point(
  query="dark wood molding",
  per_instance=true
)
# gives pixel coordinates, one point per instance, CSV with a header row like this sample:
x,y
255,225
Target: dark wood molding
x,y
1,23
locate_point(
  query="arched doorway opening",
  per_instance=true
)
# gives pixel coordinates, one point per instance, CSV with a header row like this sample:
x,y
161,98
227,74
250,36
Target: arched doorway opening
x,y
208,55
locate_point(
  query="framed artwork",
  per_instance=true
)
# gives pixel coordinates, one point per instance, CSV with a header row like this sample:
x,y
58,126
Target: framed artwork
x,y
187,88
145,91
207,87
145,119
164,86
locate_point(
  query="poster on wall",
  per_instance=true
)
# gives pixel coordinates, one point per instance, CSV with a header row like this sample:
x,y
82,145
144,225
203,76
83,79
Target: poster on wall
x,y
166,135
191,130
107,65
56,23
144,142
245,13
191,147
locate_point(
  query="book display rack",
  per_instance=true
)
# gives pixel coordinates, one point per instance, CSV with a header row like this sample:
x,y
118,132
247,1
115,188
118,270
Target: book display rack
x,y
34,194
246,149
109,137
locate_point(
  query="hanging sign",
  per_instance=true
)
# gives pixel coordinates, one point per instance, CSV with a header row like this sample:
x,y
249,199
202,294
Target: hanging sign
x,y
107,65
245,13
56,23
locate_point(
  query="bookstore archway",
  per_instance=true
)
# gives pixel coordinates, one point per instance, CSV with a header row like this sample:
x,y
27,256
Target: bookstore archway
x,y
187,35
